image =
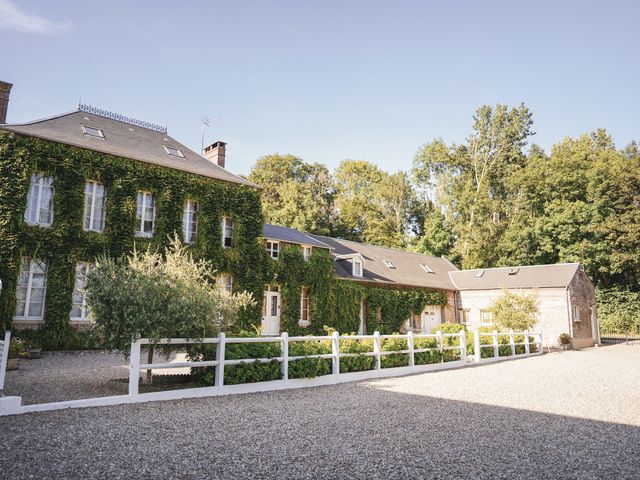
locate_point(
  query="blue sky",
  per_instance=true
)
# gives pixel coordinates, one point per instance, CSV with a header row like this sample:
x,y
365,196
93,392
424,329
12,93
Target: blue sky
x,y
327,80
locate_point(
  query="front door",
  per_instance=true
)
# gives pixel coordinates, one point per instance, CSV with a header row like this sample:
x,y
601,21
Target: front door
x,y
430,318
271,312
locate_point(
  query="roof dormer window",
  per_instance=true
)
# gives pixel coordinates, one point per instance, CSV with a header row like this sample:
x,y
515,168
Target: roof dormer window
x,y
92,131
173,151
389,264
479,274
514,271
427,268
356,267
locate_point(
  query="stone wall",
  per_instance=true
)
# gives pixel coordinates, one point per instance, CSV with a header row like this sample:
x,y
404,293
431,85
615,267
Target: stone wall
x,y
582,306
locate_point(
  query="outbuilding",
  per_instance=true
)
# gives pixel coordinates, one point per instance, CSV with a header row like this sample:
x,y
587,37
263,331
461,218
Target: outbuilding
x,y
565,294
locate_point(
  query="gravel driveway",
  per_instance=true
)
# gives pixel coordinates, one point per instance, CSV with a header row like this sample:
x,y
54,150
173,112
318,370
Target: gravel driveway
x,y
561,415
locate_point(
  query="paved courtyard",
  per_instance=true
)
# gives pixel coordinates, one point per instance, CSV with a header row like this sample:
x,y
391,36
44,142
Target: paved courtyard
x,y
572,414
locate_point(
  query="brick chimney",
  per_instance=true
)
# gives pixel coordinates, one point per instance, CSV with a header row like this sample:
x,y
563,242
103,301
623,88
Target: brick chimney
x,y
215,153
5,90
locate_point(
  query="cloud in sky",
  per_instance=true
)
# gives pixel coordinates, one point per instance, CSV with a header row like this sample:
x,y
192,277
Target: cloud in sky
x,y
14,18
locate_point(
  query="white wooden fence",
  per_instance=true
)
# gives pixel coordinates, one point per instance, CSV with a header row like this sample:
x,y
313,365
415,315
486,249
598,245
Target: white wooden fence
x,y
4,356
457,345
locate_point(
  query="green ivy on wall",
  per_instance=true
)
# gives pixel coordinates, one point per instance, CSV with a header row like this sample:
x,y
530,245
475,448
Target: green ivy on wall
x,y
65,242
333,302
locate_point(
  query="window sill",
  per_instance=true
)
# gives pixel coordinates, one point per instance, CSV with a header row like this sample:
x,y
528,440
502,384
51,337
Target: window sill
x,y
28,319
79,320
90,230
144,235
303,323
41,225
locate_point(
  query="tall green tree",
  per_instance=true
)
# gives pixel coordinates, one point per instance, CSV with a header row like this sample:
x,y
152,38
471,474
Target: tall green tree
x,y
295,194
471,180
372,205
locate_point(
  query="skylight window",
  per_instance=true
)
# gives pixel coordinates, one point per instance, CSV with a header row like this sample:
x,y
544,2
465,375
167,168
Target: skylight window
x,y
174,152
92,131
389,264
514,271
479,274
427,268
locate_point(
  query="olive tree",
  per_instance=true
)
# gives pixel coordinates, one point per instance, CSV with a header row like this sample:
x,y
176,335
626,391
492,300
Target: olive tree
x,y
515,311
159,295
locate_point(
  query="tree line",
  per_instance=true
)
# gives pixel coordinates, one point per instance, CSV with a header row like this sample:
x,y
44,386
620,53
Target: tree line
x,y
494,200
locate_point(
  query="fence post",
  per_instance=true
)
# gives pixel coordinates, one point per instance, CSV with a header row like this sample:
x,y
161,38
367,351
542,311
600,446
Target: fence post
x,y
410,346
439,334
496,345
284,353
540,352
463,345
512,341
526,342
476,345
4,356
134,368
376,349
219,382
335,350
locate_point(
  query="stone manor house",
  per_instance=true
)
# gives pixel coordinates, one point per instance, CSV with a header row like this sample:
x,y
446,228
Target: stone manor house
x,y
80,184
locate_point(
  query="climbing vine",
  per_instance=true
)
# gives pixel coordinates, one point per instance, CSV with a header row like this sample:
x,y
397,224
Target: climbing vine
x,y
333,302
65,242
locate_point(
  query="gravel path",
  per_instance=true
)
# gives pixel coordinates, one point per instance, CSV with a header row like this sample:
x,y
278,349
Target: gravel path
x,y
61,376
561,415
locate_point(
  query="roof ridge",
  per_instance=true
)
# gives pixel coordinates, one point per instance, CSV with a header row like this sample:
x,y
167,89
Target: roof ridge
x,y
379,246
518,266
154,127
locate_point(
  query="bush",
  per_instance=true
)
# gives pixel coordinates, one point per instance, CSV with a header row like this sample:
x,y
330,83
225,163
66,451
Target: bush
x,y
358,363
512,311
154,296
17,348
74,339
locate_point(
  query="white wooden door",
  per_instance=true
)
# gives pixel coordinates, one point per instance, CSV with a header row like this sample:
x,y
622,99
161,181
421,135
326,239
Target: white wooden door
x,y
271,317
430,318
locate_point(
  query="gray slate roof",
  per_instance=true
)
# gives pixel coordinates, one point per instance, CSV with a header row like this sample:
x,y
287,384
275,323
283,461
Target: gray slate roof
x,y
290,235
533,276
124,140
407,271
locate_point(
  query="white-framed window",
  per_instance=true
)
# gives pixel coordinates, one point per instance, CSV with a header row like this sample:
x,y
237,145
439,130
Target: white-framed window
x,y
146,214
426,268
576,313
356,264
225,280
464,316
306,252
40,201
304,306
227,225
92,131
486,318
173,151
274,249
190,222
31,289
94,200
79,309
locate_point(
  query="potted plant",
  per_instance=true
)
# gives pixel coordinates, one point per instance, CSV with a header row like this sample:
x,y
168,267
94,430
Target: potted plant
x,y
34,349
17,348
565,340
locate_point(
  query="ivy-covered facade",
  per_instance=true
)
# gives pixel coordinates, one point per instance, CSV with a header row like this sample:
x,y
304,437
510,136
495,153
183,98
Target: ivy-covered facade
x,y
64,202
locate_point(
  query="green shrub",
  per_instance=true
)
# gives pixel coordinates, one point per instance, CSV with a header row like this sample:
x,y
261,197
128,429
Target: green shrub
x,y
359,363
